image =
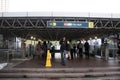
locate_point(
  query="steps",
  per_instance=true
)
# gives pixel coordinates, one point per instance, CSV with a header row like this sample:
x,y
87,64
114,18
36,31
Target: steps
x,y
109,73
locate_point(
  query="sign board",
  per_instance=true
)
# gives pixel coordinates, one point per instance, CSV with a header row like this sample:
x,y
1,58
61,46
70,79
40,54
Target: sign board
x,y
69,24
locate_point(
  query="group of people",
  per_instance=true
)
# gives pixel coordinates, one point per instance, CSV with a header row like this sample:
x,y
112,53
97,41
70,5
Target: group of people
x,y
72,50
77,49
41,49
67,47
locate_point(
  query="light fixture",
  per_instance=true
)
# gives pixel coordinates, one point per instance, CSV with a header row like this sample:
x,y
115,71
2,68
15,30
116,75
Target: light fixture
x,y
34,38
31,37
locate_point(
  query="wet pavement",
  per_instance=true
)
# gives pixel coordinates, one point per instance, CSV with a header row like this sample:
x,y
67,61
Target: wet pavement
x,y
76,63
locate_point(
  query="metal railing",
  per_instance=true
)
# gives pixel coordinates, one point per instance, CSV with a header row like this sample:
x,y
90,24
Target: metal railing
x,y
4,55
8,54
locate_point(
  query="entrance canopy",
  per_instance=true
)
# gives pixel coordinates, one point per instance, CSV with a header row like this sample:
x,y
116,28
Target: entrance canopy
x,y
27,24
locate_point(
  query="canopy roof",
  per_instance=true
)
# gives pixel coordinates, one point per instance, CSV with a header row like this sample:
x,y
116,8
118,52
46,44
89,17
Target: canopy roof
x,y
35,24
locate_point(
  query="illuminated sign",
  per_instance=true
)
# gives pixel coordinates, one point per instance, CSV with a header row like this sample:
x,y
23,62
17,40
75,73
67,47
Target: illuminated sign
x,y
70,24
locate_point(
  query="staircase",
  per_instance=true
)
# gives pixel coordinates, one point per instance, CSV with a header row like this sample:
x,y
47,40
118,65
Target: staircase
x,y
102,73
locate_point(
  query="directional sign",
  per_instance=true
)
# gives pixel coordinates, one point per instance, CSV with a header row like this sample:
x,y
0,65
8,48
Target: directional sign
x,y
70,24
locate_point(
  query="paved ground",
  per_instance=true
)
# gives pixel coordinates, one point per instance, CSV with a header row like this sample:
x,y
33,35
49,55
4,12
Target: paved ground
x,y
76,63
101,78
92,62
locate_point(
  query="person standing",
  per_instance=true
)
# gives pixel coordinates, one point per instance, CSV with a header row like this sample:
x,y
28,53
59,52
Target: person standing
x,y
118,52
87,47
53,52
49,45
80,49
74,51
63,47
23,47
71,49
44,46
68,50
39,51
96,46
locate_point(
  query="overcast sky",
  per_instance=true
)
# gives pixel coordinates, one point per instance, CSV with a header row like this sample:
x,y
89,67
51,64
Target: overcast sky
x,y
97,6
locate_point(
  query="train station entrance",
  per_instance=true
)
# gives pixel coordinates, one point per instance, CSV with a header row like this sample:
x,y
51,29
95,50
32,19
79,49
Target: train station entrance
x,y
19,36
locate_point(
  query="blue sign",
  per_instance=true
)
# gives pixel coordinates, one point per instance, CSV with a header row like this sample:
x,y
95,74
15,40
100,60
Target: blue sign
x,y
70,24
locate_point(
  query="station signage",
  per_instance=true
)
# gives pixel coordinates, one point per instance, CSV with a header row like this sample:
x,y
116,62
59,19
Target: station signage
x,y
69,24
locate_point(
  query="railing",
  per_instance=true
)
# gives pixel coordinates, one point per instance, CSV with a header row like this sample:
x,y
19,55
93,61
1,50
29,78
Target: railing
x,y
107,53
4,55
8,54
